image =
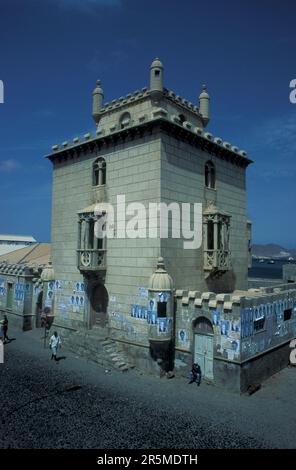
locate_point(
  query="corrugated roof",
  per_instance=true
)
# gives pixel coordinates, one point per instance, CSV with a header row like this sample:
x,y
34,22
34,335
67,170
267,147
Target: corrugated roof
x,y
16,238
36,254
5,249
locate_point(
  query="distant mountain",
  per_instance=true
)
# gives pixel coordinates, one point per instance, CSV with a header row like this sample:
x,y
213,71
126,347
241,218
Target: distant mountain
x,y
273,251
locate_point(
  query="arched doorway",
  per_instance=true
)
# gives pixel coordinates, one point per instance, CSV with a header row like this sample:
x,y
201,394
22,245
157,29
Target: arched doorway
x,y
203,335
99,305
39,309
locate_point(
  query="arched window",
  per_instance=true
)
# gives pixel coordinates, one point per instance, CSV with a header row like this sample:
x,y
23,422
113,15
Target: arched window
x,y
210,175
182,118
99,172
125,120
203,326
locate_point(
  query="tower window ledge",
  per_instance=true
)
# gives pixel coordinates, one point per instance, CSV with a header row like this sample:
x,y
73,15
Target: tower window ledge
x,y
217,260
91,259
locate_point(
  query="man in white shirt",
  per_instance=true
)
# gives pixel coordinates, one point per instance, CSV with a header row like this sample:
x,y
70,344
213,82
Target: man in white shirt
x,y
54,343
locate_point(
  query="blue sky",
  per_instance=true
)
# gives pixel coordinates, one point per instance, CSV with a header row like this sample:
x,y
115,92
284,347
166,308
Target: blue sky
x,y
52,52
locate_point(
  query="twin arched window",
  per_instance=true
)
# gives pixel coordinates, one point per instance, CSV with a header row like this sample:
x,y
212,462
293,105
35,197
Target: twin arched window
x,y
210,175
124,120
99,172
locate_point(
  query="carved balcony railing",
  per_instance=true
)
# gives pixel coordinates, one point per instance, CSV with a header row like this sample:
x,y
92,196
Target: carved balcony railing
x,y
91,260
217,260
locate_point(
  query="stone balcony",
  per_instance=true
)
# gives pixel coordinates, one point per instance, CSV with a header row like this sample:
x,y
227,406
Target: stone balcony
x,y
91,260
217,260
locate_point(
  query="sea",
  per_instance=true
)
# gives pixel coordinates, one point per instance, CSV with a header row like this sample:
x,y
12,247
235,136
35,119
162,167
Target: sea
x,y
268,271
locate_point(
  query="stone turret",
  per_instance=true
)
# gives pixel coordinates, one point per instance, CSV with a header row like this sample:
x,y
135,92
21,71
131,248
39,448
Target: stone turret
x,y
161,316
48,273
160,303
204,105
156,79
98,96
160,297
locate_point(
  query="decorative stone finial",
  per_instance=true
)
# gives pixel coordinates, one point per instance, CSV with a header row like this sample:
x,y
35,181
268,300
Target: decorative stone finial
x,y
204,105
156,79
48,273
98,96
160,264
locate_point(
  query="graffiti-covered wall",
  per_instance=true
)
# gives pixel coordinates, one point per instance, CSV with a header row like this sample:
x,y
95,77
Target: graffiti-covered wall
x,y
227,329
16,294
17,298
243,325
144,320
268,323
67,300
222,310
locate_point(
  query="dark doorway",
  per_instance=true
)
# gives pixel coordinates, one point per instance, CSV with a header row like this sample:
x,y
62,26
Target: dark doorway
x,y
202,325
39,309
9,298
99,305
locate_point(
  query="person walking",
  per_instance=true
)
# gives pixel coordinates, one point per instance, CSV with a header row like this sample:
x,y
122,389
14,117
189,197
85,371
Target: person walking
x,y
5,328
1,331
43,318
54,344
1,344
195,374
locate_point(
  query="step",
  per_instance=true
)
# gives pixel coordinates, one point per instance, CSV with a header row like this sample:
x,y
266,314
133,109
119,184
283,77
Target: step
x,y
115,359
120,364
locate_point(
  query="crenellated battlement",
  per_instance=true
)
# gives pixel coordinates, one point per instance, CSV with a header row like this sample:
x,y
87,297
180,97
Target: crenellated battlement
x,y
229,302
157,113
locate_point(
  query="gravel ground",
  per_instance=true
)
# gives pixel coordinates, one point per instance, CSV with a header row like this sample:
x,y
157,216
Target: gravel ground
x,y
77,404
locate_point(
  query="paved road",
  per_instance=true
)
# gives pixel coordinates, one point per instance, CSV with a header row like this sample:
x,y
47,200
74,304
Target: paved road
x,y
77,404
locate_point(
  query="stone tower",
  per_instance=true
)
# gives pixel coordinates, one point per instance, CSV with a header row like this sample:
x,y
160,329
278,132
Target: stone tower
x,y
148,147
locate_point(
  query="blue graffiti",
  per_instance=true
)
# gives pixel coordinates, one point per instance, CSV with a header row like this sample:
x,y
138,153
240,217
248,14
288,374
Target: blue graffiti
x,y
139,311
